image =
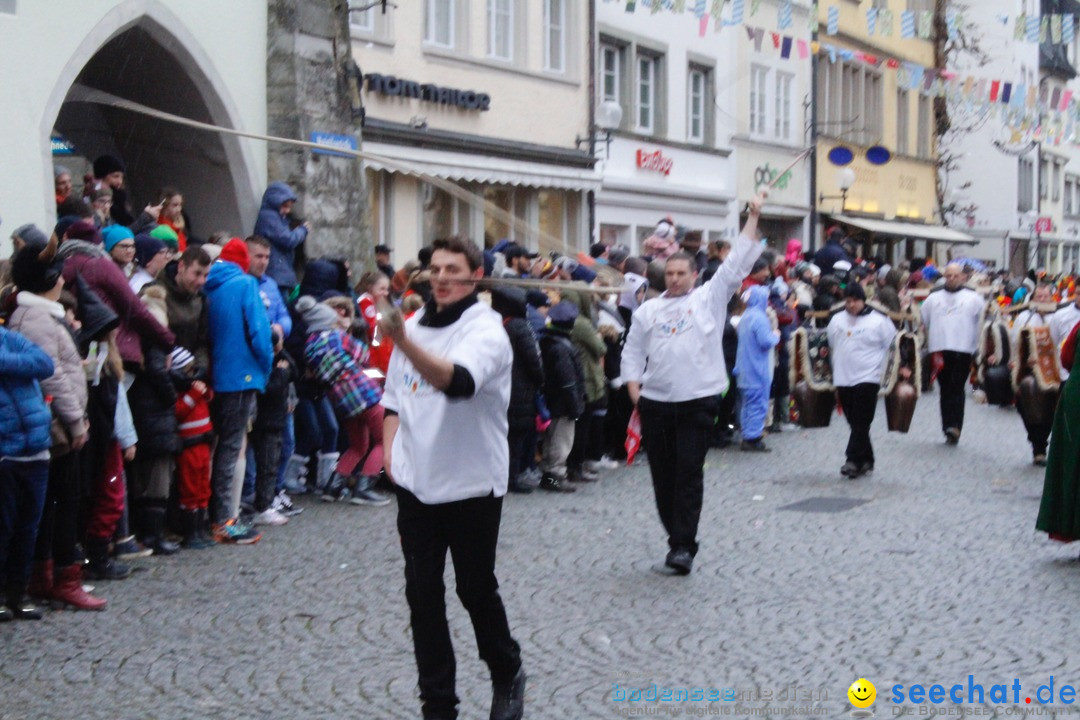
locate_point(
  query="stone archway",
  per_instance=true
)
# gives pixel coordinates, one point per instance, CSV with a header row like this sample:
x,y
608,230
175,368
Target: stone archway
x,y
140,52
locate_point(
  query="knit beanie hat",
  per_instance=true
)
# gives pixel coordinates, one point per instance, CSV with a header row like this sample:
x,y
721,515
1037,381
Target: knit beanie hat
x,y
84,230
31,235
64,223
562,315
317,316
235,251
36,268
59,170
114,235
167,235
107,165
146,248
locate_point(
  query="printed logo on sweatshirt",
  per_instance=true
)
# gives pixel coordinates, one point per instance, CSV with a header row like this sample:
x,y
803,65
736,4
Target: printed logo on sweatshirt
x,y
675,324
415,384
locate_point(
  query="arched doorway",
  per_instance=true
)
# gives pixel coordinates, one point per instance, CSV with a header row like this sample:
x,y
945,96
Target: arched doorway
x,y
147,63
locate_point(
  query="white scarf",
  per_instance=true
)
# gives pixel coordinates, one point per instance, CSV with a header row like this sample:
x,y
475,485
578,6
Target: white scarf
x,y
29,300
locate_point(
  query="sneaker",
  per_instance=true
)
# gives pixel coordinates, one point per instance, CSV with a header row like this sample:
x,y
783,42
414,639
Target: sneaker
x,y
130,549
607,463
337,489
952,436
284,505
368,496
851,469
554,484
754,446
232,532
270,516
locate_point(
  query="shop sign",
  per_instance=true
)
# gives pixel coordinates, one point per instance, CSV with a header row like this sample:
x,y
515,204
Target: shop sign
x,y
333,142
654,161
392,86
1044,225
765,176
60,146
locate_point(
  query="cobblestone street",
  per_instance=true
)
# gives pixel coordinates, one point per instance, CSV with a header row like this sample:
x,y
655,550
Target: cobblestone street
x,y
932,573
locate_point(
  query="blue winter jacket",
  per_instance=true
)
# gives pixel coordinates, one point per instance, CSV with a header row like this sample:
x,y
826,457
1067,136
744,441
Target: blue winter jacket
x,y
283,241
24,416
241,352
753,361
275,304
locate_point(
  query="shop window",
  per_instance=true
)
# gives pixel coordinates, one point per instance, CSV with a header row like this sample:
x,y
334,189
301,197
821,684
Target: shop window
x,y
380,208
553,220
444,215
555,35
497,228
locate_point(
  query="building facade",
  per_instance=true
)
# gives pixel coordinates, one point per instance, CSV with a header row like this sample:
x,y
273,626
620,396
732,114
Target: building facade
x,y
671,153
490,98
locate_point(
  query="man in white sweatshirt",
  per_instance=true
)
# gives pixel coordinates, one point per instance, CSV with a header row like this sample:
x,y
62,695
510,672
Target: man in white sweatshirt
x,y
673,364
951,317
859,341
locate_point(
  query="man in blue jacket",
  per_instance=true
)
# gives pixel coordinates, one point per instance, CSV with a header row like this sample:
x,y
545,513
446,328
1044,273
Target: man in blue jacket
x,y
273,225
754,366
241,355
24,465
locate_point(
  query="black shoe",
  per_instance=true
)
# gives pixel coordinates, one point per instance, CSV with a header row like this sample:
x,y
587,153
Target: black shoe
x,y
850,469
681,561
103,567
866,468
581,476
508,699
554,484
754,446
519,487
952,436
6,615
22,609
1039,460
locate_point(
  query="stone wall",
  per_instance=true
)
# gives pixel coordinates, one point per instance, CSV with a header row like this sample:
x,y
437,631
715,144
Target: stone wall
x,y
308,52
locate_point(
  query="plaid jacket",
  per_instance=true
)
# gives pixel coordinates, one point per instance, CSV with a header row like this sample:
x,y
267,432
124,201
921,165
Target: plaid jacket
x,y
337,360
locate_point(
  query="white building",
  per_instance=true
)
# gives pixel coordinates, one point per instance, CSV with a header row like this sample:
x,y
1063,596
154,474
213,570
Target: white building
x,y
671,153
490,96
202,59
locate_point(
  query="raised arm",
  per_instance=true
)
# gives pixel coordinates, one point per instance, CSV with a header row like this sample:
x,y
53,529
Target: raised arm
x,y
744,253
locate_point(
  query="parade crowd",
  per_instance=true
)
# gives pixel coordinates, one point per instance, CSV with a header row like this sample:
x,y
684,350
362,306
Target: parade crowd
x,y
161,391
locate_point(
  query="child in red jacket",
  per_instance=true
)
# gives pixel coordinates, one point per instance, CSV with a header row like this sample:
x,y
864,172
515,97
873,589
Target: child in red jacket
x,y
193,463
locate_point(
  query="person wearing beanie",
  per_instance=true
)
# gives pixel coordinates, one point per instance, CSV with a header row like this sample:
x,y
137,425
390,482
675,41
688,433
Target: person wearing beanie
x,y
445,402
28,234
564,391
167,235
119,242
241,357
273,224
24,468
40,318
680,334
151,256
109,172
951,317
859,342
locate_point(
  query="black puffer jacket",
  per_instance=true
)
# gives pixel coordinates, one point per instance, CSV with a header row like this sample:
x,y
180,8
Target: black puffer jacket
x,y
527,376
152,398
564,382
273,411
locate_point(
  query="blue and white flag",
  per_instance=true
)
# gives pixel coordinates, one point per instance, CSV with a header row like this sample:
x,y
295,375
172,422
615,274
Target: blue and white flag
x,y
952,22
833,25
1068,28
738,8
871,20
907,24
783,17
1033,28
699,8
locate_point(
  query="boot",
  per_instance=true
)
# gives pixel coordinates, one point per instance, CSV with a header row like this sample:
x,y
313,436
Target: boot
x,y
68,590
101,566
194,539
336,489
296,474
327,464
41,580
20,606
153,523
205,531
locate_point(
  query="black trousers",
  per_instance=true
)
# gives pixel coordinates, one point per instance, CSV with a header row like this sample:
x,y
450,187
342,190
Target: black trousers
x,y
60,530
676,437
859,403
952,381
1038,433
267,449
522,442
589,434
469,529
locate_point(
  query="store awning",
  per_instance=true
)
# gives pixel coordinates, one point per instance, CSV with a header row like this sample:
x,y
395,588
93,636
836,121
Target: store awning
x,y
915,231
486,169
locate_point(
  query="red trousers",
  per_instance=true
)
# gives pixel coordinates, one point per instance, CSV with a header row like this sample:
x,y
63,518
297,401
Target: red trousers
x,y
107,495
193,477
365,433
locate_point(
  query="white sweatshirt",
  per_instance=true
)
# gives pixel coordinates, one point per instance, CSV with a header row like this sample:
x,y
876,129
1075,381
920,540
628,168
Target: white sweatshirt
x,y
675,344
952,320
453,449
859,345
1061,324
1027,319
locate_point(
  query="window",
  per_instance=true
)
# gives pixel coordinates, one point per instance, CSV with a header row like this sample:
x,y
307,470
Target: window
x,y
922,150
881,4
1055,188
919,6
362,20
1043,182
646,93
850,102
1069,184
698,92
1025,189
903,122
783,105
501,29
439,23
759,78
610,72
555,35
7,6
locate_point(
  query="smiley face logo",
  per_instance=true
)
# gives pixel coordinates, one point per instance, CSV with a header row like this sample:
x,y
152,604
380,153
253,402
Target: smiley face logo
x,y
862,693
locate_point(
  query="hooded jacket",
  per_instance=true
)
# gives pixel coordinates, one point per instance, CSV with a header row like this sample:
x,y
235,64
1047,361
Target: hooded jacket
x,y
107,281
527,374
753,361
241,350
283,240
24,416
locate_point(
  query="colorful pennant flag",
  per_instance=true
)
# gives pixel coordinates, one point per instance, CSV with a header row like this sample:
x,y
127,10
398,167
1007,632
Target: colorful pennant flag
x,y
1068,28
1044,29
737,11
833,26
952,23
1055,28
699,8
926,23
1066,98
755,5
631,5
871,21
814,25
885,18
1033,28
1021,27
785,47
703,25
907,24
804,51
783,17
1006,93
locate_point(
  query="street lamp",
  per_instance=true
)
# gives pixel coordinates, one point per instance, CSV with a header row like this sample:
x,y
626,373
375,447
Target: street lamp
x,y
844,180
608,118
